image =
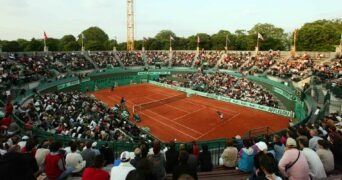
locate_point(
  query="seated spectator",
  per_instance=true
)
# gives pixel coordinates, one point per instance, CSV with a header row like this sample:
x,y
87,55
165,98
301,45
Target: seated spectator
x,y
315,164
74,159
5,122
22,143
95,171
195,149
267,165
325,155
143,171
93,147
158,161
15,165
41,153
260,155
230,155
88,154
171,157
184,167
55,163
293,165
246,157
205,162
313,140
120,172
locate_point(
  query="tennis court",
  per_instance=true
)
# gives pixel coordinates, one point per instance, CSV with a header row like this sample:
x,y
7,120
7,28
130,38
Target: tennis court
x,y
171,115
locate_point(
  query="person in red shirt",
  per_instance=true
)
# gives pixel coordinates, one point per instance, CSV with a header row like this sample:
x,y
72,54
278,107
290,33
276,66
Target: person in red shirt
x,y
5,122
9,107
96,172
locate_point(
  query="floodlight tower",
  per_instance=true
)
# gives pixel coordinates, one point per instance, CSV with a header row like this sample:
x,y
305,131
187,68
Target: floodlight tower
x,y
130,25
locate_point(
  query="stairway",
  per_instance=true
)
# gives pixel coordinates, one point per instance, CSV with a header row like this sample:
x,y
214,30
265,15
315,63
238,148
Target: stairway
x,y
220,60
195,59
91,61
119,60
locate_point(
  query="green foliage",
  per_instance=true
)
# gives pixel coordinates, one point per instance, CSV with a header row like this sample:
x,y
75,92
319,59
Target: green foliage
x,y
95,39
52,44
68,43
321,35
35,45
10,46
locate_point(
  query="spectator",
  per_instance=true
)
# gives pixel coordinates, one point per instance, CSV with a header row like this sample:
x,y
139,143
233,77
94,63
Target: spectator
x,y
5,122
192,160
315,164
88,154
158,161
107,152
171,157
230,155
74,160
137,157
293,165
143,171
313,140
95,171
261,148
41,153
204,159
195,149
120,172
325,155
278,148
16,165
267,165
93,147
246,157
22,143
55,163
184,167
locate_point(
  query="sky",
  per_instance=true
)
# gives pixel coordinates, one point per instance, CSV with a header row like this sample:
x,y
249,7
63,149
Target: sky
x,y
30,18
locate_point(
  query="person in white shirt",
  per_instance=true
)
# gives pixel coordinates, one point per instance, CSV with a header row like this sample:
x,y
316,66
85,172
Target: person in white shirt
x,y
74,159
316,167
313,140
120,172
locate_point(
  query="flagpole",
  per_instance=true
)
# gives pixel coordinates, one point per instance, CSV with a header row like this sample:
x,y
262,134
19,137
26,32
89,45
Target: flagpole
x,y
294,40
341,45
257,48
226,47
82,42
170,44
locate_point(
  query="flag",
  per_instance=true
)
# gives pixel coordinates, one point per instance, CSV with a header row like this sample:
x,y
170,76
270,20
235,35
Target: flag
x,y
144,39
45,36
171,38
260,36
198,39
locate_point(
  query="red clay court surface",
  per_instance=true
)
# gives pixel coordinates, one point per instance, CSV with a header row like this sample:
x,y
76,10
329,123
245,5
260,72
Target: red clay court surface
x,y
191,118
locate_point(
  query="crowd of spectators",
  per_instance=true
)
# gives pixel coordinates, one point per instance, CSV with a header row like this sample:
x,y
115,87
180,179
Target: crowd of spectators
x,y
225,85
304,152
103,59
234,60
331,70
157,58
296,68
261,62
131,58
79,116
208,58
182,59
73,61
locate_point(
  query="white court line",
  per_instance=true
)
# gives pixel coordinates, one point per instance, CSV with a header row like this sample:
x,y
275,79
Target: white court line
x,y
168,126
182,125
211,106
220,124
190,113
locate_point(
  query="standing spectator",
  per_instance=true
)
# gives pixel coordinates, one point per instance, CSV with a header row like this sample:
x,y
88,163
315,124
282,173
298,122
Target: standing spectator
x,y
293,165
143,171
74,159
246,157
41,153
183,167
278,148
205,159
195,149
325,155
107,152
158,161
5,122
88,154
335,138
171,157
96,172
315,164
120,172
230,155
137,157
313,140
192,160
55,163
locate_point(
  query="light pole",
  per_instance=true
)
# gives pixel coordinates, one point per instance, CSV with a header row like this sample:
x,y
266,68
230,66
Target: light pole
x,y
115,40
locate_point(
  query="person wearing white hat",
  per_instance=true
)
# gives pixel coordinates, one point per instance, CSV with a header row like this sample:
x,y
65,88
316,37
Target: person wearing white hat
x,y
93,147
120,172
22,143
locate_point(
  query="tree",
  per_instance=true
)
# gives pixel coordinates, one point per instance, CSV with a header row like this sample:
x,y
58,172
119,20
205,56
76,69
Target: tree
x,y
52,44
218,40
274,37
95,39
163,39
22,44
68,43
10,46
35,45
321,35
